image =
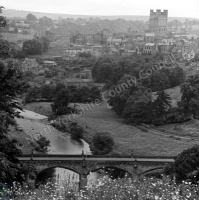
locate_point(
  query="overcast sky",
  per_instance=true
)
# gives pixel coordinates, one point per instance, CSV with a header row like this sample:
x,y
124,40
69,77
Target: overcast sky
x,y
177,8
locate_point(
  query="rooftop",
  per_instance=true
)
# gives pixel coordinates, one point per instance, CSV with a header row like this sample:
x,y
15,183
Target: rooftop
x,y
150,34
150,44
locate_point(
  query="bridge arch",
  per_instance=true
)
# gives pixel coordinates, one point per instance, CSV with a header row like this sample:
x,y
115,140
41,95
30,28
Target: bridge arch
x,y
44,178
150,170
111,167
72,166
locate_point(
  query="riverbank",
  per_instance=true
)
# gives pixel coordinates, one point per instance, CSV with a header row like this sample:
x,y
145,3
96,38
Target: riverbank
x,y
34,125
128,138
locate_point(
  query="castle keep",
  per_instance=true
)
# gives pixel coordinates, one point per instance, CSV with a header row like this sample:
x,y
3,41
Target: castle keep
x,y
158,22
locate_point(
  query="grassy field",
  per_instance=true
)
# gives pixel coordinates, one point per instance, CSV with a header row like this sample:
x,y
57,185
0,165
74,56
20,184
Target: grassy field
x,y
129,138
42,108
187,129
52,51
99,118
14,37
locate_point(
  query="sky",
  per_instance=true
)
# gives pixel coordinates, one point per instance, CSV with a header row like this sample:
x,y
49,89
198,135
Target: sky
x,y
176,8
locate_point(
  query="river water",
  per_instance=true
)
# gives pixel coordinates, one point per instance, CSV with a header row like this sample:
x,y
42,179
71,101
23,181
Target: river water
x,y
61,143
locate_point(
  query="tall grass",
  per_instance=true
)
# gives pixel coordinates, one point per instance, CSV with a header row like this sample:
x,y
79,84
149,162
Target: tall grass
x,y
107,189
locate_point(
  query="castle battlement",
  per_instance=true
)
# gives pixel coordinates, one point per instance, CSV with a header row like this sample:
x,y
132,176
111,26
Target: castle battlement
x,y
158,12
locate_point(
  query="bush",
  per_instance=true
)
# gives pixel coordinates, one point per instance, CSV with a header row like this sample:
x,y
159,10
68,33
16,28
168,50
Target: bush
x,y
61,101
158,121
76,132
102,143
43,144
61,126
186,164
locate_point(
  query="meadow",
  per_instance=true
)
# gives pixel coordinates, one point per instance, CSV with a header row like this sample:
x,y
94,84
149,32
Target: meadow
x,y
14,37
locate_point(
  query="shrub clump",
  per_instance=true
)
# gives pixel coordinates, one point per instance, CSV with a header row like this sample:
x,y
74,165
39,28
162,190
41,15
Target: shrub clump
x,y
102,143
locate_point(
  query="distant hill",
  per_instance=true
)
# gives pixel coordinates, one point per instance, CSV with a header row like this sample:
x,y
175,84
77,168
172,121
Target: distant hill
x,y
10,13
114,26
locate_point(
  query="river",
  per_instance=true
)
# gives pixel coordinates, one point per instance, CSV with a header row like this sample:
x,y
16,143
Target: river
x,y
60,143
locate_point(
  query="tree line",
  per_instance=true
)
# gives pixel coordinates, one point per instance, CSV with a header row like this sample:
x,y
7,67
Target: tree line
x,y
61,95
147,69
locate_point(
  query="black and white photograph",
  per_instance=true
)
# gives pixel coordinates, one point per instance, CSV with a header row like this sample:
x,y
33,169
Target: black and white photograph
x,y
99,100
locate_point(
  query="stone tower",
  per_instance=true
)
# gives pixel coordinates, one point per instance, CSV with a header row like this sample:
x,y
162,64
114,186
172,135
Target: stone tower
x,y
158,22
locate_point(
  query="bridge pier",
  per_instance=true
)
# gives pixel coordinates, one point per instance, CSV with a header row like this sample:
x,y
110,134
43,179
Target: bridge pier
x,y
82,181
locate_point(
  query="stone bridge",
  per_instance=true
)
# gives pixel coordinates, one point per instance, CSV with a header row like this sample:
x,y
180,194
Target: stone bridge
x,y
84,165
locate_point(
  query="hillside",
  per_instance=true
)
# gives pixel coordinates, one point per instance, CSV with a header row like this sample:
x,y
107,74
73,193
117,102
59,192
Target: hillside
x,y
114,26
10,13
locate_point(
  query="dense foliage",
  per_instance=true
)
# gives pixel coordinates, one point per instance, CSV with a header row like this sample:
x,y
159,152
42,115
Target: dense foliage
x,y
136,87
102,143
76,132
190,96
31,17
76,95
42,145
186,166
11,85
148,70
36,46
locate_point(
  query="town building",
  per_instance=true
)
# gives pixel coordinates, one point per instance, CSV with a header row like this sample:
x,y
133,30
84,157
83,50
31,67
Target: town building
x,y
28,64
150,48
150,37
165,47
38,70
49,63
116,42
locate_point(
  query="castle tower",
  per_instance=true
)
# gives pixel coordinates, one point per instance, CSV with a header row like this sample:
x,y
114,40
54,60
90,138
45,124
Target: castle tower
x,y
158,22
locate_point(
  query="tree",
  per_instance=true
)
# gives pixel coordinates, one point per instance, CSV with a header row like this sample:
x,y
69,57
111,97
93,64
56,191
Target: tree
x,y
43,144
61,101
159,81
123,90
76,132
83,95
4,49
31,17
33,47
186,165
11,85
33,93
48,92
46,43
2,18
138,107
46,21
162,104
190,96
95,94
102,71
102,143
